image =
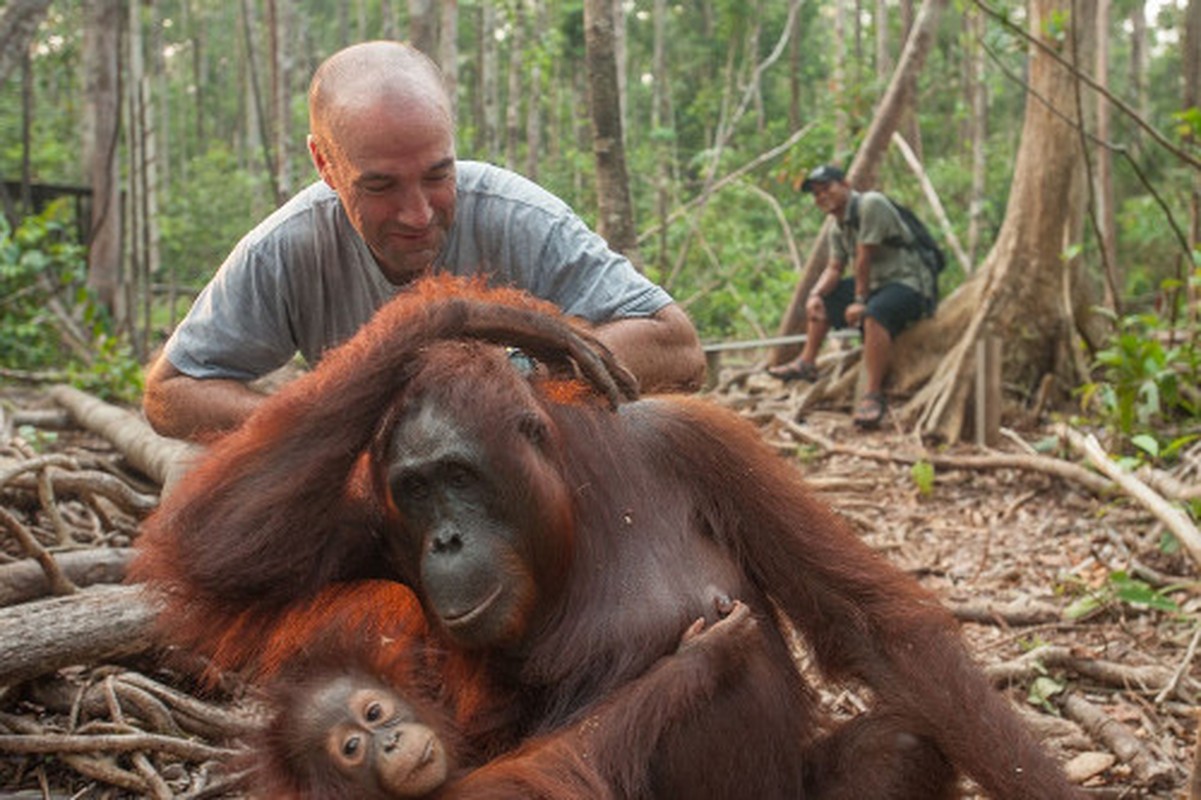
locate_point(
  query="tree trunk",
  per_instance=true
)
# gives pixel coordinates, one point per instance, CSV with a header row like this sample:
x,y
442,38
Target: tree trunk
x,y
279,32
660,123
18,25
513,102
910,127
533,108
423,26
862,173
883,54
838,79
616,212
256,99
1138,69
489,88
1021,291
101,142
448,49
1192,99
979,132
1103,185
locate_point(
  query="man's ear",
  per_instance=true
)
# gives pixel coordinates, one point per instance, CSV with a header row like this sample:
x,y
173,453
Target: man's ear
x,y
321,161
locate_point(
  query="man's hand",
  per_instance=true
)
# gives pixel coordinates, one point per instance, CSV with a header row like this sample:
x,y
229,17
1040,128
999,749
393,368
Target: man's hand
x,y
855,313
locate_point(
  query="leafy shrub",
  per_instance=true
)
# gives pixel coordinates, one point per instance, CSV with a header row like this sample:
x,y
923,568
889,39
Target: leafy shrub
x,y
1147,379
40,262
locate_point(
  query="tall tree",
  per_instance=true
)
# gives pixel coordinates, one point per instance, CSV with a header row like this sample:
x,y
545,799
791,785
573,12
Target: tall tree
x,y
1192,99
279,31
448,48
513,104
1103,183
423,26
978,88
101,141
615,210
488,89
1023,290
1138,66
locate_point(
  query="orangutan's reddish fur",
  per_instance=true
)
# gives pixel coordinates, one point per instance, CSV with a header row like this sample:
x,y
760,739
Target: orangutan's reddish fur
x,y
638,515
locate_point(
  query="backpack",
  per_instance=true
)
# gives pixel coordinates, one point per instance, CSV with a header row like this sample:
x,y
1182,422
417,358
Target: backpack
x,y
923,241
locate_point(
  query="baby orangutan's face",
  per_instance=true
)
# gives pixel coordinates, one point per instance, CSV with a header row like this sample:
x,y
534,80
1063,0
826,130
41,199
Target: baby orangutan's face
x,y
375,739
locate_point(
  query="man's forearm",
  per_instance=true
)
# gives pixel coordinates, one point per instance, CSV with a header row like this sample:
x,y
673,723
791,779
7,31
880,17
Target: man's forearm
x,y
663,350
827,281
183,407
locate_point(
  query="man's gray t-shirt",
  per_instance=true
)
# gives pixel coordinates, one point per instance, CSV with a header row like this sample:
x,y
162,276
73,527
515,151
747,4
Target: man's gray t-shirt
x,y
304,280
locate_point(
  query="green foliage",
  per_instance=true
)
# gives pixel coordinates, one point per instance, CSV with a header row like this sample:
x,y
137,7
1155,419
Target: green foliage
x,y
1145,381
1120,589
199,226
922,473
39,262
1042,689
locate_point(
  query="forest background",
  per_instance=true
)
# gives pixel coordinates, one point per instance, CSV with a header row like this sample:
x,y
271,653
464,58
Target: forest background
x,y
187,118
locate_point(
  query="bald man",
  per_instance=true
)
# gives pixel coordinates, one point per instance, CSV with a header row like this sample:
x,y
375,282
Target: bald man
x,y
393,204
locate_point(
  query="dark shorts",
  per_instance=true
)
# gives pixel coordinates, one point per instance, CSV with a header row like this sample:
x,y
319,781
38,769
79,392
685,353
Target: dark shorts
x,y
893,305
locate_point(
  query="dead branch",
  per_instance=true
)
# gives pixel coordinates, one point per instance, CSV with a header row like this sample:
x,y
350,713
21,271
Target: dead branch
x,y
1172,517
54,743
1055,467
87,483
9,472
96,624
101,769
25,580
1018,613
160,458
58,582
1145,678
931,194
1114,735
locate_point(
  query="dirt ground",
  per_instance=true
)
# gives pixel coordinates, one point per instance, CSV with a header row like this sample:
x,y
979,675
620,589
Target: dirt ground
x,y
1055,586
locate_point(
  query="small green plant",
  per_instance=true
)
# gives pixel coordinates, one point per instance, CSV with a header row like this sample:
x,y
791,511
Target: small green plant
x,y
1145,382
1042,690
922,473
1120,588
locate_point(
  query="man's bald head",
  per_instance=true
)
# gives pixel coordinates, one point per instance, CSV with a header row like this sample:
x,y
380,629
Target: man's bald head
x,y
364,76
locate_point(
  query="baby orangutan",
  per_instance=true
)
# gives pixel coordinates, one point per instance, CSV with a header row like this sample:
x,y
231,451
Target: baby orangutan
x,y
348,726
340,731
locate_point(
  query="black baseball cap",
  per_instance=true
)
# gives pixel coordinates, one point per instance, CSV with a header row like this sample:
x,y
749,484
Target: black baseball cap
x,y
826,173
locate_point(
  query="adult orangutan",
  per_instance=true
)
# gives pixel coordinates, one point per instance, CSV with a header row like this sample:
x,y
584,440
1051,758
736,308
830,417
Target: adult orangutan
x,y
364,707
560,534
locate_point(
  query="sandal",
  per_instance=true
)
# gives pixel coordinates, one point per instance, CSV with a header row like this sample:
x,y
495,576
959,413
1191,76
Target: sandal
x,y
795,371
870,411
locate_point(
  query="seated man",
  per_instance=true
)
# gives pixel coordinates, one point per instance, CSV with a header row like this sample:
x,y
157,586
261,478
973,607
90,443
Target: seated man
x,y
393,205
890,288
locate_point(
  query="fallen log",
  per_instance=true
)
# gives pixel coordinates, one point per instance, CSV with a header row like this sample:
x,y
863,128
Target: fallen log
x,y
158,457
98,624
25,580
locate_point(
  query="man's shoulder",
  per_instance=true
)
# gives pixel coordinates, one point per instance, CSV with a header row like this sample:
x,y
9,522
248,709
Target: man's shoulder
x,y
874,200
490,185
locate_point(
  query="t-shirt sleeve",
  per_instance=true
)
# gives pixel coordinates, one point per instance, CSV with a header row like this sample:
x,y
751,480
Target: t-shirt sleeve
x,y
522,235
238,327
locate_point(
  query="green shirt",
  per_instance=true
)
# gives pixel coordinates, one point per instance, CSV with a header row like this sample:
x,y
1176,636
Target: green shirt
x,y
879,223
